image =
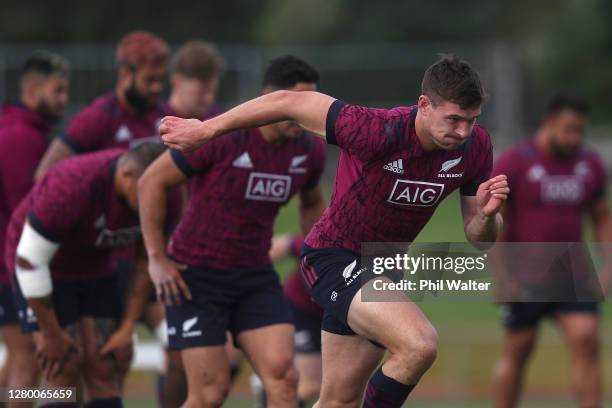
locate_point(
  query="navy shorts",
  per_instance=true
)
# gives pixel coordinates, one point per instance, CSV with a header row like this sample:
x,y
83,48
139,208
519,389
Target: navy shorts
x,y
97,298
307,330
333,278
8,311
529,314
225,300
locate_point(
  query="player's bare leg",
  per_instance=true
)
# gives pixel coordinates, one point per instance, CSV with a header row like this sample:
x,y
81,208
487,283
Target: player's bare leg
x,y
101,374
581,331
208,377
410,340
309,369
270,351
235,357
348,362
171,381
20,367
508,376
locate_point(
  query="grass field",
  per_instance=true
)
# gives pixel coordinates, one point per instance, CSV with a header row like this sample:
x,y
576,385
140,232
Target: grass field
x,y
469,343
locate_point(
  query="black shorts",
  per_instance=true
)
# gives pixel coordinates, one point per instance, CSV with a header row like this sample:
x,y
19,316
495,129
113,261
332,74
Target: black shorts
x,y
225,300
333,278
529,314
97,298
8,311
307,330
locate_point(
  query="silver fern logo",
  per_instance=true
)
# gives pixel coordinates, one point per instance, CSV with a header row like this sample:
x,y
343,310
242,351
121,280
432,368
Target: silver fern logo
x,y
447,165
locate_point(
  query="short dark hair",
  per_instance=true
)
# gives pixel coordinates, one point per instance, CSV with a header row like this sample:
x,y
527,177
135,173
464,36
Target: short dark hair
x,y
561,102
45,63
454,80
285,72
145,153
198,60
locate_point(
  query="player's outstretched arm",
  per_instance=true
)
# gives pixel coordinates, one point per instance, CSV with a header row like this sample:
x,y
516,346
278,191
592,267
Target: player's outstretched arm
x,y
482,220
153,187
309,109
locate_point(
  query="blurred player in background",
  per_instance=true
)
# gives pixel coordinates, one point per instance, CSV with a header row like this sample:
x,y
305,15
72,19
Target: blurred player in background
x,y
24,132
126,116
130,114
395,167
555,182
307,318
216,275
195,72
60,242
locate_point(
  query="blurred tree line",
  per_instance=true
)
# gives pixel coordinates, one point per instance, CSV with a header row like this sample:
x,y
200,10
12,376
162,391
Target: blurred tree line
x,y
564,44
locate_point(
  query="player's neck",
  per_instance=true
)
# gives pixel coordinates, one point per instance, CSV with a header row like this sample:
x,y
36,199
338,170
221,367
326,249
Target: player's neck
x,y
271,135
425,138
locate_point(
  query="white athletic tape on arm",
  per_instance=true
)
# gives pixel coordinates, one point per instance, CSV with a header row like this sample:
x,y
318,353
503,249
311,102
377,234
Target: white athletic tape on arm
x,y
38,251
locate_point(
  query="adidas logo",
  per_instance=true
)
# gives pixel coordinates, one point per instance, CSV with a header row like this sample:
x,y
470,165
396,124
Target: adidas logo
x,y
244,161
123,134
396,166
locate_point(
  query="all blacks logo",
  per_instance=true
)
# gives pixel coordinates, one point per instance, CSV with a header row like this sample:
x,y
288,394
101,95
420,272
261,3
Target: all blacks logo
x,y
415,193
268,187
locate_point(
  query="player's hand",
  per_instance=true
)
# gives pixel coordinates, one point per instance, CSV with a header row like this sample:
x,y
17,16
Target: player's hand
x,y
281,247
120,344
184,134
53,351
167,279
491,195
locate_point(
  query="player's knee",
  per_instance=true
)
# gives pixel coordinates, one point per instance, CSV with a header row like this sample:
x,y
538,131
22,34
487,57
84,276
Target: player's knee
x,y
101,375
309,390
519,351
420,350
586,344
280,368
212,396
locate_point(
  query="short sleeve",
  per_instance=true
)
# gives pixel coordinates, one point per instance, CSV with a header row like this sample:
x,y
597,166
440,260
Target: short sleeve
x,y
57,204
196,161
317,166
87,131
483,155
365,132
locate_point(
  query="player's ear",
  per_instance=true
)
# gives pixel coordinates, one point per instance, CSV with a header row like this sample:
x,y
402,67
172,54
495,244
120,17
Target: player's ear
x,y
424,104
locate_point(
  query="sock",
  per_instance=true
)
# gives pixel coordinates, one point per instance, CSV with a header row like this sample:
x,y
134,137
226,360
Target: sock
x,y
160,388
61,405
112,402
385,392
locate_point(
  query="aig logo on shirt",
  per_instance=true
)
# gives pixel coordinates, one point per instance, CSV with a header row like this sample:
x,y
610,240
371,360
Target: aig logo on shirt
x,y
415,193
268,187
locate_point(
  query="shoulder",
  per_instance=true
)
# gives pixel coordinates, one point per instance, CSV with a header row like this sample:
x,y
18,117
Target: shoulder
x,y
102,108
